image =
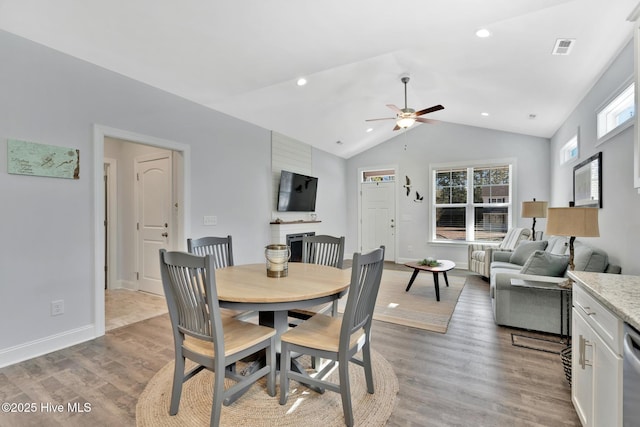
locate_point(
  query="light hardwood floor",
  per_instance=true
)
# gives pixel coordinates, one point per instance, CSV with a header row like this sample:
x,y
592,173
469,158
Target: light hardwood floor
x,y
124,307
470,376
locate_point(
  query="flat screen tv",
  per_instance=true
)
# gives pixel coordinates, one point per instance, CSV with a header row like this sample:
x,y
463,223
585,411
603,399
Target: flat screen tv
x,y
297,192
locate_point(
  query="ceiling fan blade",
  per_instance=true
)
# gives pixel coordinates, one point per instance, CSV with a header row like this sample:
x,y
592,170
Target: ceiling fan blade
x,y
397,127
430,110
423,120
384,118
394,108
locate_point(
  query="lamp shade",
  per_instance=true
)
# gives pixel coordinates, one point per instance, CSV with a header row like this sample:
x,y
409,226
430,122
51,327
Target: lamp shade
x,y
573,222
533,209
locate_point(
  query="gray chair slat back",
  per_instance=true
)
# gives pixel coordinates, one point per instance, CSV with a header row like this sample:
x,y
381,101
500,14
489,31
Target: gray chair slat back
x,y
366,274
220,248
189,286
323,249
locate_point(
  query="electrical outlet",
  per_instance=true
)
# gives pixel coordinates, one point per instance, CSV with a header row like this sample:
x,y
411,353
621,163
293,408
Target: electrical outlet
x,y
57,307
209,220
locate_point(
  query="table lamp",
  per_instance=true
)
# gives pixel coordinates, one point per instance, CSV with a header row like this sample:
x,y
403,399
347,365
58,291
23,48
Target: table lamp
x,y
572,222
533,209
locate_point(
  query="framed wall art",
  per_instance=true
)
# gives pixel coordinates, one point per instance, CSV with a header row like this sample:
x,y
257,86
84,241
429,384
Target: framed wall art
x,y
31,158
587,182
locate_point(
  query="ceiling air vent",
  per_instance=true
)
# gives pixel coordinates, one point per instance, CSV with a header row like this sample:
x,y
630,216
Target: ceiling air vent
x,y
563,46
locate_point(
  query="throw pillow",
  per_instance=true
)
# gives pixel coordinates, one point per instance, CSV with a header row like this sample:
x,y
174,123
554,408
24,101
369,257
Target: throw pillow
x,y
543,263
525,248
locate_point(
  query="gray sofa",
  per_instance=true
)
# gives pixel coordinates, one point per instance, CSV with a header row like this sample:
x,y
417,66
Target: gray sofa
x,y
538,261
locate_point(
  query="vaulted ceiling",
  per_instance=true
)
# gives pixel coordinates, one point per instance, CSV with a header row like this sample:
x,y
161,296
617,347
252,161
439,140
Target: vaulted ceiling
x,y
244,58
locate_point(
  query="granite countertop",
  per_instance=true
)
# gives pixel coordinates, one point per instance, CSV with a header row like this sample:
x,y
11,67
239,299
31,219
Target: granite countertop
x,y
618,292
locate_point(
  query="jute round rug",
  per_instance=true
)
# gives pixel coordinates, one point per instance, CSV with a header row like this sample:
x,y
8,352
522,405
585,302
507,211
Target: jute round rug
x,y
256,408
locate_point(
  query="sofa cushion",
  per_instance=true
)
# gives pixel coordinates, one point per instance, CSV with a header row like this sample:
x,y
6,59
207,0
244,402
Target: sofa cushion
x,y
505,265
558,245
524,250
543,263
513,237
587,258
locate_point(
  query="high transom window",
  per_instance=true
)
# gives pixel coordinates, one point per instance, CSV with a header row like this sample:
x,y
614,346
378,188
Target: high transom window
x,y
616,114
471,203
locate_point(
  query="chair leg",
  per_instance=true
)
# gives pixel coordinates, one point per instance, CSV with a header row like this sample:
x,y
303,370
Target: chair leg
x,y
178,379
271,362
345,390
368,371
218,392
285,361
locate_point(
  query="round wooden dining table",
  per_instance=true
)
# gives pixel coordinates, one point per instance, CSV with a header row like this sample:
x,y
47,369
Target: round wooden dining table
x,y
247,287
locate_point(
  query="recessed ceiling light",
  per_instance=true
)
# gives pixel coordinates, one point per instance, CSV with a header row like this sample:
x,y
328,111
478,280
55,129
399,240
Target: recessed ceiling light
x,y
302,81
484,114
369,130
483,33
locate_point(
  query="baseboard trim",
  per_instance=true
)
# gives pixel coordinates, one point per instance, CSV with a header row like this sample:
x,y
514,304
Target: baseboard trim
x,y
29,350
126,284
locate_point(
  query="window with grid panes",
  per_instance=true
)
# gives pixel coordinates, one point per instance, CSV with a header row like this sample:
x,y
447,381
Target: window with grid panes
x,y
471,203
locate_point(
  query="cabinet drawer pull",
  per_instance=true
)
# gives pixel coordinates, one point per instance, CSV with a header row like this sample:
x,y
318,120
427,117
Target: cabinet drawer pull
x,y
582,357
587,312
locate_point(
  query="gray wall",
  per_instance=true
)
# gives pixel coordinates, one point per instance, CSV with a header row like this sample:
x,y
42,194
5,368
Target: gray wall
x,y
424,145
47,248
618,219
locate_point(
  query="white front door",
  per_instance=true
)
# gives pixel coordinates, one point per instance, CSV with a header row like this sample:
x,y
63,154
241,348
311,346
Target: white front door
x,y
378,217
153,176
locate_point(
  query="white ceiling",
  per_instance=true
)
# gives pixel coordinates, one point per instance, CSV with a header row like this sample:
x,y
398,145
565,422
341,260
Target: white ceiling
x,y
243,58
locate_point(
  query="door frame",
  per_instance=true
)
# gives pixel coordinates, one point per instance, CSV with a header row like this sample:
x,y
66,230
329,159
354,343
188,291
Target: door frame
x,y
112,221
183,180
396,206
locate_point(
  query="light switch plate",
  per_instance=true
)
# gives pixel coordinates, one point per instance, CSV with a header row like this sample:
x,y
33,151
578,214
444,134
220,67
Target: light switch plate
x,y
210,220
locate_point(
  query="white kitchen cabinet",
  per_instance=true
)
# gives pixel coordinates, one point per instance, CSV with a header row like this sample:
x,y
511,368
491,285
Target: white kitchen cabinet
x,y
596,389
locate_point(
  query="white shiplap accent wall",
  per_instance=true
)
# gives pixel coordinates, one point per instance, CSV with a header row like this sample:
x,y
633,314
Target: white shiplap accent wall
x,y
290,155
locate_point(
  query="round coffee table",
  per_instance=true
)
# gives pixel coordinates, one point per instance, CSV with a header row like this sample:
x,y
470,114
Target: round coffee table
x,y
443,266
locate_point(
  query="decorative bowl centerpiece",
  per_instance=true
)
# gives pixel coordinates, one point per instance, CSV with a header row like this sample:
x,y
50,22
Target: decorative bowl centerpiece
x,y
429,262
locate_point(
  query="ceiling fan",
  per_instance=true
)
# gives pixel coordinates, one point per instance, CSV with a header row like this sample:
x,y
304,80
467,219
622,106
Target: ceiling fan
x,y
406,117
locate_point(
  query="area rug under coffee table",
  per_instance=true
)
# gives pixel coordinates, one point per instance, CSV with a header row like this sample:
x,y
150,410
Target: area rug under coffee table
x,y
418,307
256,408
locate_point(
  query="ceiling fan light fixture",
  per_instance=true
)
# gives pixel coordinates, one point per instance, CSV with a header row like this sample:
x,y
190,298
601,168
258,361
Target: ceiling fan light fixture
x,y
405,122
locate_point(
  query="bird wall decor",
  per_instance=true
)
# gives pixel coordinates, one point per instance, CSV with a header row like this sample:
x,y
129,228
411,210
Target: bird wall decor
x,y
418,198
407,185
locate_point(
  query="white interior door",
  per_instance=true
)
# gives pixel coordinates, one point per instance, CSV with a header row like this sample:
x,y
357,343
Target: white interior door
x,y
378,217
153,175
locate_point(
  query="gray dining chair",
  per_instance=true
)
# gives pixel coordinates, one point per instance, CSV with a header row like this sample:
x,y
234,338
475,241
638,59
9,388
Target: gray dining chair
x,y
220,247
203,335
338,339
324,250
